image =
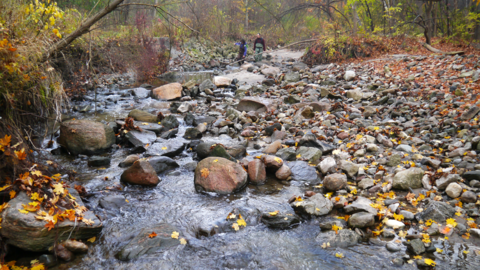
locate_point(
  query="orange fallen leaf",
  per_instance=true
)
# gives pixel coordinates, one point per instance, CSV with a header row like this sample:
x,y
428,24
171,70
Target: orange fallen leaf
x,y
204,172
21,155
152,235
50,225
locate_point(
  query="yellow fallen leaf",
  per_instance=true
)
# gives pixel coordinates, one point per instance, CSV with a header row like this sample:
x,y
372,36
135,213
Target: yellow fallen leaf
x,y
175,235
164,148
451,222
325,245
418,257
339,255
299,156
429,262
336,228
183,241
241,222
466,252
58,189
235,226
279,160
274,213
216,160
439,250
91,240
23,211
12,194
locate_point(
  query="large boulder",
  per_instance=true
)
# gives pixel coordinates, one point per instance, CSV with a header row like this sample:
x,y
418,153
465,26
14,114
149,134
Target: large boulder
x,y
168,92
219,175
411,178
86,137
165,148
28,233
143,116
143,244
140,173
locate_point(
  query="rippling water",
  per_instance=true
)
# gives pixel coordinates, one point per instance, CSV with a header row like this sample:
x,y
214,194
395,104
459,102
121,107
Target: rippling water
x,y
175,201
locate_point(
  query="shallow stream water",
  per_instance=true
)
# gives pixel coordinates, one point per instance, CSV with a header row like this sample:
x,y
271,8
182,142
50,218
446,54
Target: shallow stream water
x,y
176,202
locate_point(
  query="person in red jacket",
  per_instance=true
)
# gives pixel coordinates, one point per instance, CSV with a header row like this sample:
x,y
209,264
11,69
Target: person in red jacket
x,y
259,46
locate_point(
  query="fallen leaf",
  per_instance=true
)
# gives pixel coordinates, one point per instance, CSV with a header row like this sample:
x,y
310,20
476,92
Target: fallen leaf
x,y
216,160
21,155
58,189
12,194
23,211
204,172
183,241
274,213
175,235
235,226
336,228
439,250
325,245
50,225
429,262
91,240
339,255
451,223
241,222
152,235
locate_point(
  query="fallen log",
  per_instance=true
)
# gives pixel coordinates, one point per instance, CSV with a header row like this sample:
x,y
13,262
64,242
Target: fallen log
x,y
432,49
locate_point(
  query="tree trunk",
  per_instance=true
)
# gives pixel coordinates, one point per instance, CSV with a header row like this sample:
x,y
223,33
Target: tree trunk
x,y
246,16
82,29
428,21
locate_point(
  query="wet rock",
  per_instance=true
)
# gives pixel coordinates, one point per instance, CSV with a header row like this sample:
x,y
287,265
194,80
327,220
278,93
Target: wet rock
x,y
334,182
283,173
167,148
48,260
28,233
189,119
220,151
192,134
99,161
206,84
272,162
292,77
394,160
280,221
172,133
436,211
112,202
453,190
311,154
256,172
301,171
292,99
63,253
343,239
170,122
168,92
85,137
142,244
128,161
407,214
328,224
141,138
162,164
76,247
140,173
143,116
219,175
317,205
272,148
248,133
411,178
392,247
287,154
328,164
361,204
415,246
361,220
185,107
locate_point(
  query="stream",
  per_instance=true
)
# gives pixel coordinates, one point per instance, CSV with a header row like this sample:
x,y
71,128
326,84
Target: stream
x,y
175,201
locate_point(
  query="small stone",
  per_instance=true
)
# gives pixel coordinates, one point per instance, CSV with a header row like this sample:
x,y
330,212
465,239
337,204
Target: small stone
x,y
334,182
283,173
453,190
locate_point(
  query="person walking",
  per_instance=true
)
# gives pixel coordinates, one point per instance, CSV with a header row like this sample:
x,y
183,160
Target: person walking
x,y
259,46
242,52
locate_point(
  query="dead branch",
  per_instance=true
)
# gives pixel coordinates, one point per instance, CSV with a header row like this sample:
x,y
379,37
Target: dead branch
x,y
82,29
432,49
